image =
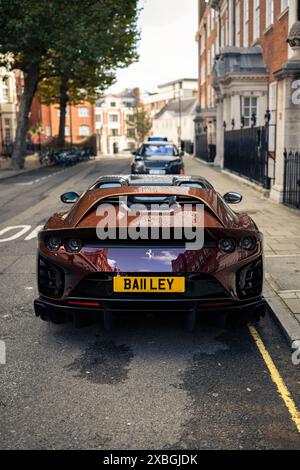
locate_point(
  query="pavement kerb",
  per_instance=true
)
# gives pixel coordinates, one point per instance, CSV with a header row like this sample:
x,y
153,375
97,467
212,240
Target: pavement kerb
x,y
281,313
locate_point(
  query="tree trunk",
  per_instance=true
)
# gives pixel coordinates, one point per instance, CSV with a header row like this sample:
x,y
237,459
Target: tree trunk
x,y
63,102
30,85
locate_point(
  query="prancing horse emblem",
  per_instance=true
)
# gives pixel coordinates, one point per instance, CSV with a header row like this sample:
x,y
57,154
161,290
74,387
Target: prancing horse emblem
x,y
149,253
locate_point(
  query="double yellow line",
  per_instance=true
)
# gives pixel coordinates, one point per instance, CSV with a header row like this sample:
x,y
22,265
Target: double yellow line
x,y
276,377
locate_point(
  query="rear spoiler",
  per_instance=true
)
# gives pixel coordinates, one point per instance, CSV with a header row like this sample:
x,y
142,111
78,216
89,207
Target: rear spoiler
x,y
209,198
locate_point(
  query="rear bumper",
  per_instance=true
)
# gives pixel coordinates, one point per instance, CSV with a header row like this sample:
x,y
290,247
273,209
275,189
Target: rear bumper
x,y
44,308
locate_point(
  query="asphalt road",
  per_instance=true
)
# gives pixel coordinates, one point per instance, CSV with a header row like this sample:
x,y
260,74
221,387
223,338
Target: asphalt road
x,y
148,384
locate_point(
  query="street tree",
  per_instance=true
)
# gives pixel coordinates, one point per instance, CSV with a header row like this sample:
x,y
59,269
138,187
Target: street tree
x,y
39,36
139,123
84,76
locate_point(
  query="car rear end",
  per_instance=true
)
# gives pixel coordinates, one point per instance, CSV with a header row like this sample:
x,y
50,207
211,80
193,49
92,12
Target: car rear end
x,y
80,274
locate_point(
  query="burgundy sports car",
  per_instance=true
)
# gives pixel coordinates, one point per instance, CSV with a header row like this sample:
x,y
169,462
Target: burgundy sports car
x,y
104,256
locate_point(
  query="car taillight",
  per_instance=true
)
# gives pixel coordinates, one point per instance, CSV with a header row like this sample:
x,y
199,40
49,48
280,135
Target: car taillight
x,y
181,171
53,243
227,245
73,245
248,243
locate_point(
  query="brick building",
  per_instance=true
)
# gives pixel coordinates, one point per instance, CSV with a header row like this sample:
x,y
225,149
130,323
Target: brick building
x,y
243,51
80,122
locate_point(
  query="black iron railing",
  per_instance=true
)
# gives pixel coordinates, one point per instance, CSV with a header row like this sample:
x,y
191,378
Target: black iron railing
x,y
291,191
204,150
246,153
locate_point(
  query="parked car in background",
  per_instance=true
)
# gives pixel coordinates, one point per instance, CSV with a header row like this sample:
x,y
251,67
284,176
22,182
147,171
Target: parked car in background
x,y
158,158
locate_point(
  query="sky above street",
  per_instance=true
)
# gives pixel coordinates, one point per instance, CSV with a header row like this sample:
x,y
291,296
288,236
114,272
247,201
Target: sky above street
x,y
167,47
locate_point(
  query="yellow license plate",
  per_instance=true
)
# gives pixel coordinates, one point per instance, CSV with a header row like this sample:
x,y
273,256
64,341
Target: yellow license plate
x,y
165,285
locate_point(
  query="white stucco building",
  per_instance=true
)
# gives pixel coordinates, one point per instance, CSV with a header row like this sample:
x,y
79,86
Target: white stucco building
x,y
8,109
111,113
176,122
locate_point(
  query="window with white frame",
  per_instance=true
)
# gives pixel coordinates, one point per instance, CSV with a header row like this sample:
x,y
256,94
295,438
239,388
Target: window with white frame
x,y
246,23
67,113
269,13
248,109
113,118
238,24
67,131
48,131
84,131
5,91
83,112
256,16
285,4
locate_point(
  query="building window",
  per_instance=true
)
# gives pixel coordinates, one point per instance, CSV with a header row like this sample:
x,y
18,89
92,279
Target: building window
x,y
5,93
84,131
48,131
131,133
269,12
7,131
238,25
285,4
98,117
67,112
113,104
256,23
83,112
246,23
113,118
114,132
67,131
248,108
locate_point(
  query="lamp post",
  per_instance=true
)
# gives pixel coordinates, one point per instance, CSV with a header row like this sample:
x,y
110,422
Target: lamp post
x,y
180,115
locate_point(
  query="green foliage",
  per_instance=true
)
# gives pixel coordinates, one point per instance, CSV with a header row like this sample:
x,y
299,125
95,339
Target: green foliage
x,y
141,122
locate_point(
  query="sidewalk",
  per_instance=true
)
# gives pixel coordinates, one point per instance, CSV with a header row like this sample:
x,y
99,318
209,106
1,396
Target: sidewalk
x,y
31,163
281,228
